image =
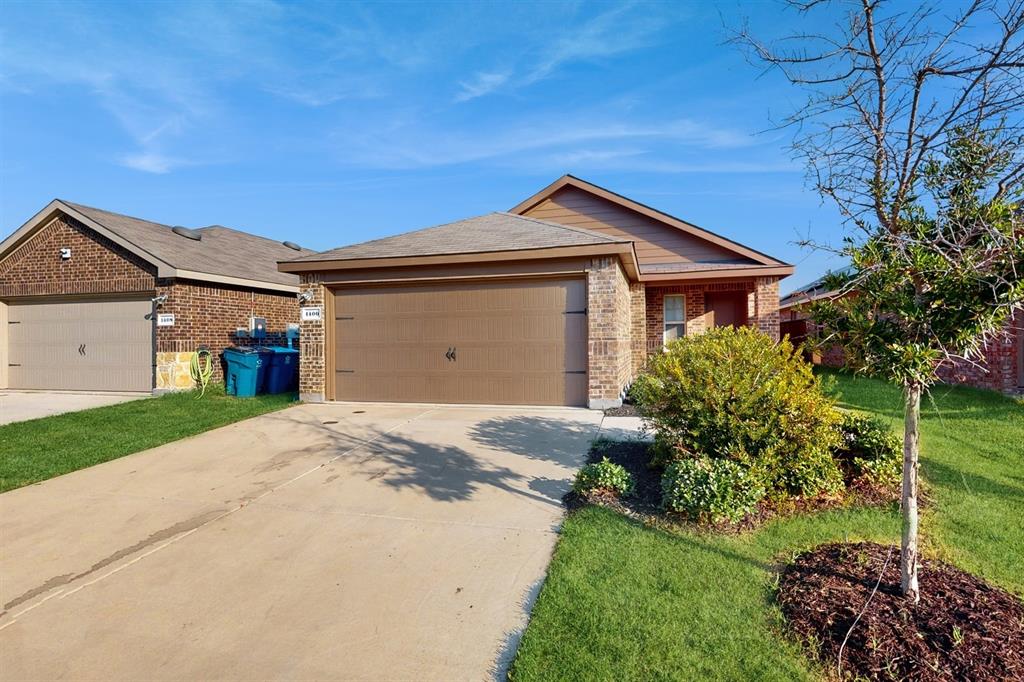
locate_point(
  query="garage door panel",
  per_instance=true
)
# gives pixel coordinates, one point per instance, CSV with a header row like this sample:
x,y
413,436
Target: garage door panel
x,y
81,345
514,342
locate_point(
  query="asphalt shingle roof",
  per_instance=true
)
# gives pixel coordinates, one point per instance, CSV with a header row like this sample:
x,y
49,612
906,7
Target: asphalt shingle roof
x,y
221,251
491,232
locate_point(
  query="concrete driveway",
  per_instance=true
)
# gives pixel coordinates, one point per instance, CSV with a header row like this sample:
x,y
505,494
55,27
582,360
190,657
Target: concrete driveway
x,y
321,542
18,406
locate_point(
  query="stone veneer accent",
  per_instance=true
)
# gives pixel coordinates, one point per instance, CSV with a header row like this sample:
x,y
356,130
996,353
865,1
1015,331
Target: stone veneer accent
x,y
312,362
208,315
609,338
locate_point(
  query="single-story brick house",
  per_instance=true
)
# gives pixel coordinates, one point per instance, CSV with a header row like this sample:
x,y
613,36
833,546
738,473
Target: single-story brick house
x,y
97,301
1000,368
557,301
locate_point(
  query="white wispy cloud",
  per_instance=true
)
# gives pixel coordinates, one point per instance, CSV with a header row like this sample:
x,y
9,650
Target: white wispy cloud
x,y
482,83
622,29
560,140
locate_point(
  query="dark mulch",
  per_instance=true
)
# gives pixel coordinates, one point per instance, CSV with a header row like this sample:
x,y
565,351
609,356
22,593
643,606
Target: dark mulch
x,y
634,456
623,410
962,628
644,503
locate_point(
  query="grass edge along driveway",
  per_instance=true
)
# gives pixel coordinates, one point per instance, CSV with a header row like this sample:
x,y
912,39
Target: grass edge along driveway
x,y
39,449
627,602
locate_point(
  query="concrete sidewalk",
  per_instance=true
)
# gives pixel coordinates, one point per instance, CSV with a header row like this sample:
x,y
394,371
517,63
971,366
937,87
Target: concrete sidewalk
x,y
324,541
17,406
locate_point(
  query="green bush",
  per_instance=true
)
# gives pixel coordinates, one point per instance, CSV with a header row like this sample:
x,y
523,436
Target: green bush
x,y
710,490
869,450
603,475
736,394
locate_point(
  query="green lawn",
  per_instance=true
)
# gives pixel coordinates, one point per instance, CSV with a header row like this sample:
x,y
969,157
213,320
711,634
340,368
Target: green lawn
x,y
36,450
623,601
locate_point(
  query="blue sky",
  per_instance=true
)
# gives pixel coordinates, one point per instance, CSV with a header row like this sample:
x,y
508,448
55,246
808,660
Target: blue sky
x,y
334,123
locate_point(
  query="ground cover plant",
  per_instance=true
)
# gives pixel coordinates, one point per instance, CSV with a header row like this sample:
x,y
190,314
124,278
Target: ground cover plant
x,y
39,449
626,599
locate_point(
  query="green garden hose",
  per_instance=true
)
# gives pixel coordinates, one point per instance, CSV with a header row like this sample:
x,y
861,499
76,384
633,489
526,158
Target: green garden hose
x,y
201,372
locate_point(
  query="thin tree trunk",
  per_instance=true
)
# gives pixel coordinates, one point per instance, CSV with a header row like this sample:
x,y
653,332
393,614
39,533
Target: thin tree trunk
x,y
911,447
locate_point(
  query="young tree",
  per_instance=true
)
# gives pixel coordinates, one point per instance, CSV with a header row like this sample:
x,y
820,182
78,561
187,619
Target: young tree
x,y
913,128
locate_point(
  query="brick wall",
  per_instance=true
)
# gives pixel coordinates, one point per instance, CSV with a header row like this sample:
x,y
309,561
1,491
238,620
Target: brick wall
x,y
97,265
697,319
312,362
207,314
609,327
763,306
998,369
638,325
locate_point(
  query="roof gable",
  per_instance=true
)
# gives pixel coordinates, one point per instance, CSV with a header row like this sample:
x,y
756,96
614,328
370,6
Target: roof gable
x,y
661,238
223,255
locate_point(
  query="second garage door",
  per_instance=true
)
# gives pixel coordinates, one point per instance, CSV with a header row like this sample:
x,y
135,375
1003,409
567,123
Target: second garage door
x,y
522,342
81,345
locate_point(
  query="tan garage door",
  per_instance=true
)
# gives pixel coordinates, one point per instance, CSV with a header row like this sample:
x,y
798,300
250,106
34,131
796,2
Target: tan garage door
x,y
95,345
521,342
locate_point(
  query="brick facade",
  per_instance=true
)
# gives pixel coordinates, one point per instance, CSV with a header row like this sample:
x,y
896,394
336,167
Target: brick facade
x,y
999,367
97,265
208,315
762,306
638,325
205,314
312,361
609,326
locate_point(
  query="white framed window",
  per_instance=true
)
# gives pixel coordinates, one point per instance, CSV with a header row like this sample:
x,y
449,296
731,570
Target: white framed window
x,y
675,318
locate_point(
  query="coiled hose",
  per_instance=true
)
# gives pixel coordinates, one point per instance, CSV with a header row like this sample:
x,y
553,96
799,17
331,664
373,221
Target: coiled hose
x,y
200,371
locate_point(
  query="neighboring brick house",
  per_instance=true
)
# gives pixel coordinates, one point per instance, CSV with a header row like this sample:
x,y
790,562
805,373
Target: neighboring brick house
x,y
1000,368
558,301
93,300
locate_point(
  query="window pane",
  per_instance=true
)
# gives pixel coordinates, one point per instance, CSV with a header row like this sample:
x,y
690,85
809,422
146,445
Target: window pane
x,y
674,309
674,331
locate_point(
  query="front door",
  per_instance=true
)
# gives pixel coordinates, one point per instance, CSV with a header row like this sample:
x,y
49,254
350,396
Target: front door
x,y
726,309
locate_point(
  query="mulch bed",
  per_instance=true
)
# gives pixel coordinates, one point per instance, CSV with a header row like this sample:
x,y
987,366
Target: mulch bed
x,y
644,503
962,628
623,410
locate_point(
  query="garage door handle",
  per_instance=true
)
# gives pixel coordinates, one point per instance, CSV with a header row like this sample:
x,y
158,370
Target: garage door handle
x,y
450,355
81,349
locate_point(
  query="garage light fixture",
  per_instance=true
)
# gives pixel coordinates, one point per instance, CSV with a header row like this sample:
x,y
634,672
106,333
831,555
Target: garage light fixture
x,y
160,300
305,296
65,254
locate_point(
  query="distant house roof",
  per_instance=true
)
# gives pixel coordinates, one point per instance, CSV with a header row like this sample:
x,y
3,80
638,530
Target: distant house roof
x,y
221,254
810,292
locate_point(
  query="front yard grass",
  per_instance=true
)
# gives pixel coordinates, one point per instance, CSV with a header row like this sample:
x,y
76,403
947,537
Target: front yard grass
x,y
624,601
39,449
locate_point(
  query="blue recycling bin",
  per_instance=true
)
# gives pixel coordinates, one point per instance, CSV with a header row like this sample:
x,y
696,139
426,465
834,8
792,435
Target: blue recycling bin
x,y
246,371
283,372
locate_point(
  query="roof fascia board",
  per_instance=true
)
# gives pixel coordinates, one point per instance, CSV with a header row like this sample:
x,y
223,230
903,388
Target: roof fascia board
x,y
623,249
779,271
235,281
569,180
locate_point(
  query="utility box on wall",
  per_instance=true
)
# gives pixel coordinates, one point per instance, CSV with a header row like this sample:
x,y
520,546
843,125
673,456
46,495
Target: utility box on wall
x,y
258,327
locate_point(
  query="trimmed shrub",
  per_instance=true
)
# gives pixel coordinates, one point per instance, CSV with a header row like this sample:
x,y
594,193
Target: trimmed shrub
x,y
603,475
869,450
736,394
710,490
